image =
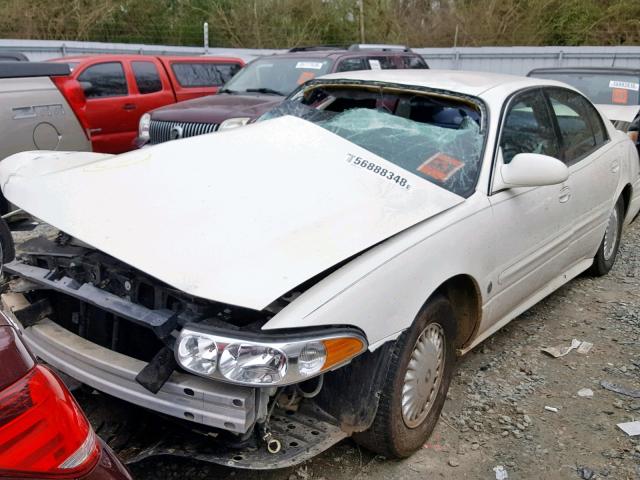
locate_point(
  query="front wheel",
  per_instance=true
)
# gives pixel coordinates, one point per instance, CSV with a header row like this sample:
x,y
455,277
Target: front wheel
x,y
608,250
416,386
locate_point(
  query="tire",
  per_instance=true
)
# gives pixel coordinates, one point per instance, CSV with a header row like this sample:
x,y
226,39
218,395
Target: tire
x,y
608,251
7,248
393,433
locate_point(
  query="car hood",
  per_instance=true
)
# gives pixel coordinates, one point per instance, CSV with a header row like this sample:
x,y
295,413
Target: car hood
x,y
217,108
240,217
624,113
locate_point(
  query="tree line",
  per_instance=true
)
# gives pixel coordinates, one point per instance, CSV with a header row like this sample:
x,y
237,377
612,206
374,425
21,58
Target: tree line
x,y
289,23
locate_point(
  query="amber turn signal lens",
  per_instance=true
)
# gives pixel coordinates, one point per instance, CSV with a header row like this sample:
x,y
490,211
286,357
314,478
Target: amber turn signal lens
x,y
340,350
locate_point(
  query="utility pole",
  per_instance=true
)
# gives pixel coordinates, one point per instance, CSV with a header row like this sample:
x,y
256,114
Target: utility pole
x,y
206,37
361,6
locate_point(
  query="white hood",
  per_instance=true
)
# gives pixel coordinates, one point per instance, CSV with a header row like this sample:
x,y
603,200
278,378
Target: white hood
x,y
623,113
239,217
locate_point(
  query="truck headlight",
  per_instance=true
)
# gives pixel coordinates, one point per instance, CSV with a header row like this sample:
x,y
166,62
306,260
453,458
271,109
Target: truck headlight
x,y
143,127
258,360
231,123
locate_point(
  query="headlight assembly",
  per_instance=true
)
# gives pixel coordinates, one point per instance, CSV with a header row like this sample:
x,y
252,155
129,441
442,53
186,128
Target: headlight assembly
x,y
232,123
260,361
143,127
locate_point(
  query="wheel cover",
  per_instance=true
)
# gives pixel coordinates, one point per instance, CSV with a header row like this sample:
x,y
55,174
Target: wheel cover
x,y
423,375
611,235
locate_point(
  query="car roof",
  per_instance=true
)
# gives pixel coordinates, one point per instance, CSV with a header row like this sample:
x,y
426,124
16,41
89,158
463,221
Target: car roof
x,y
115,57
336,53
465,82
629,71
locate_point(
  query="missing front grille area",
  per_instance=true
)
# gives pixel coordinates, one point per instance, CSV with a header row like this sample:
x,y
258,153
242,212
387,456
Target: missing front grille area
x,y
100,327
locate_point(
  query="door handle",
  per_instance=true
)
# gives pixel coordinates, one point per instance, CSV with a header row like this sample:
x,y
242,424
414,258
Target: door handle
x,y
615,166
129,106
565,195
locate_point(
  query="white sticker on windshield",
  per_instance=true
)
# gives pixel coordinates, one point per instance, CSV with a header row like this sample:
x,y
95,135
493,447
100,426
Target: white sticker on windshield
x,y
374,64
313,65
626,85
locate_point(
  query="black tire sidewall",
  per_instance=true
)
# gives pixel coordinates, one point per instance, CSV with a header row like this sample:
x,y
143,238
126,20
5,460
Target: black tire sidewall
x,y
601,266
403,440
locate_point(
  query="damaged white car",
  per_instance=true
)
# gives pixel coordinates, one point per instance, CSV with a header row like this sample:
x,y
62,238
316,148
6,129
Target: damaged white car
x,y
314,275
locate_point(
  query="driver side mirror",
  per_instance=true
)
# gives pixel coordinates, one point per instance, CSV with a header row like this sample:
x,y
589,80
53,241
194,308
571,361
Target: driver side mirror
x,y
530,170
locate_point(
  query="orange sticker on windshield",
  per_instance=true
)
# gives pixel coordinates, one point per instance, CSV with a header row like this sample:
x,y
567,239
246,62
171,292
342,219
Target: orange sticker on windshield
x,y
620,95
440,166
305,76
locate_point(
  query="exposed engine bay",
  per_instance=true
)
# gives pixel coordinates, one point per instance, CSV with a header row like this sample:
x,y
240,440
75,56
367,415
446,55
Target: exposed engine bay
x,y
64,289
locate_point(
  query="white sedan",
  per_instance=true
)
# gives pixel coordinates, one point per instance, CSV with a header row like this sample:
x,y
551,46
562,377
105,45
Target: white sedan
x,y
315,275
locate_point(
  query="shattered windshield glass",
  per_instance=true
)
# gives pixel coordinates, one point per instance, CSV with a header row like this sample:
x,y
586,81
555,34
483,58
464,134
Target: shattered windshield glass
x,y
435,137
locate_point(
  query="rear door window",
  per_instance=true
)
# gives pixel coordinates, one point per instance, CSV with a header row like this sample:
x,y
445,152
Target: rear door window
x,y
191,74
352,64
104,80
147,77
573,115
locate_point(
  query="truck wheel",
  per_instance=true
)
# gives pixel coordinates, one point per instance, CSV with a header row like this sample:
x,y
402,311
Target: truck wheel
x,y
608,250
416,386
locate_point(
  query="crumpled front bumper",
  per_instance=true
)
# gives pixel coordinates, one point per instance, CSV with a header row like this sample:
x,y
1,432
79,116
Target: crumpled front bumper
x,y
206,402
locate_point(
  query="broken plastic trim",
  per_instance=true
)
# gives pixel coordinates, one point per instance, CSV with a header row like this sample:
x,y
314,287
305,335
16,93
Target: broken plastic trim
x,y
162,322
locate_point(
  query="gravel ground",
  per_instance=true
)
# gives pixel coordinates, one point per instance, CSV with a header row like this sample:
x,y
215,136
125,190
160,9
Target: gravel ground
x,y
495,414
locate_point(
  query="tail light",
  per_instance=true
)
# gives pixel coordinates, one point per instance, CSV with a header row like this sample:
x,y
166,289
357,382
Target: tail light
x,y
73,93
43,432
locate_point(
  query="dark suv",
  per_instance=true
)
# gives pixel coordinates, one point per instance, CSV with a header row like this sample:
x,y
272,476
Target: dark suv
x,y
264,83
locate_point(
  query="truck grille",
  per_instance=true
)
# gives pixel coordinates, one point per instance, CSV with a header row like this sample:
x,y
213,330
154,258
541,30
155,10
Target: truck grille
x,y
161,131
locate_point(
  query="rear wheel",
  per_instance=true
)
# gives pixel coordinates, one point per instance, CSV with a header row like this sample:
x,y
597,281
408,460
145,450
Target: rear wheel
x,y
608,250
416,386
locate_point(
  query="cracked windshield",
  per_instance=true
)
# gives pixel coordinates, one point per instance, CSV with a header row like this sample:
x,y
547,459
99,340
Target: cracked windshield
x,y
437,138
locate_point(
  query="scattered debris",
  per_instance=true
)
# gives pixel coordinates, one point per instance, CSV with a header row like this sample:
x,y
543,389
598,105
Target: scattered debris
x,y
453,462
584,348
586,473
551,409
585,393
629,392
501,473
561,351
630,428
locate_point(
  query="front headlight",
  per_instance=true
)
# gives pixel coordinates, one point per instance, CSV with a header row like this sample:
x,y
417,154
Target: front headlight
x,y
231,123
259,361
143,127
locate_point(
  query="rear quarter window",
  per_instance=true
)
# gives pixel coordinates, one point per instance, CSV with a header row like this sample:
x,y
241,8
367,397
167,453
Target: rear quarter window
x,y
192,74
414,62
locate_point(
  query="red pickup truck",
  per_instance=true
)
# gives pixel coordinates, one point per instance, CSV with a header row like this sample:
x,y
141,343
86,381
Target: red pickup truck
x,y
119,89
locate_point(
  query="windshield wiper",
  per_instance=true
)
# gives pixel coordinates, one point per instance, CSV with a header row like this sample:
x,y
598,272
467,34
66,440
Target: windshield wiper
x,y
226,90
265,90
